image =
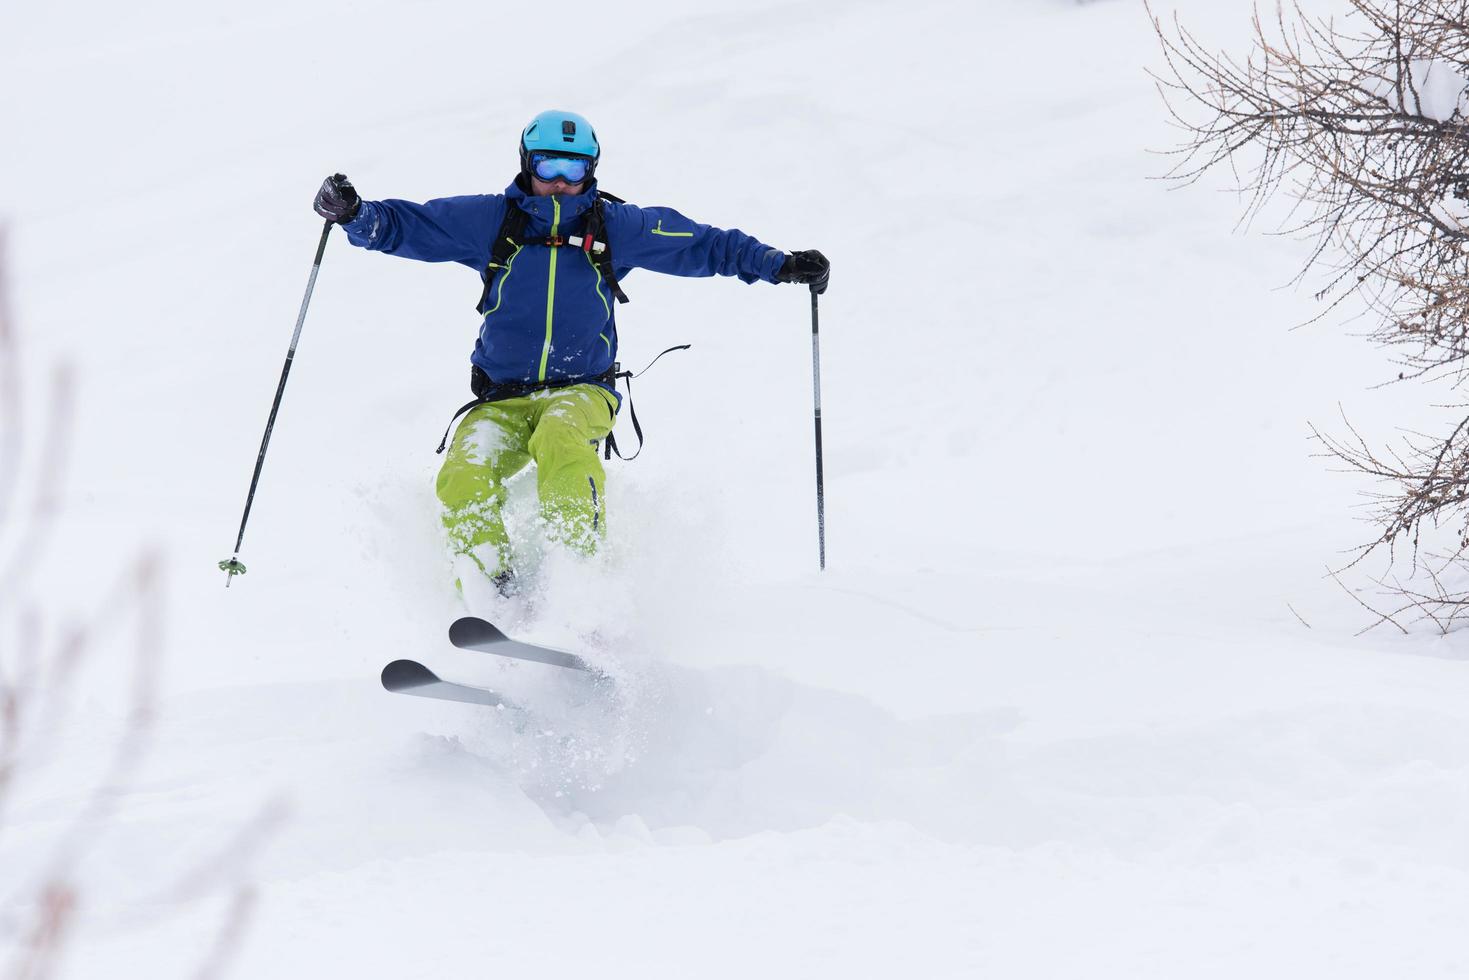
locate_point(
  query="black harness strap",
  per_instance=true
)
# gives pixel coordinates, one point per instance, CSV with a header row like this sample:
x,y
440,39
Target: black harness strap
x,y
611,445
486,391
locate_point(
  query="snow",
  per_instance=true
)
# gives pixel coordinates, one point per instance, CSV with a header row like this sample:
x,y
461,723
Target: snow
x,y
1434,88
1053,709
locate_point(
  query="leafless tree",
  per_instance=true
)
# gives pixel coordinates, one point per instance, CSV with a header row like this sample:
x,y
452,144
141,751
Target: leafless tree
x,y
1360,120
40,662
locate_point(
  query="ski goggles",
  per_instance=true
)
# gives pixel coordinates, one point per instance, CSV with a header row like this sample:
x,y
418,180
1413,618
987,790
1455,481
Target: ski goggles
x,y
573,170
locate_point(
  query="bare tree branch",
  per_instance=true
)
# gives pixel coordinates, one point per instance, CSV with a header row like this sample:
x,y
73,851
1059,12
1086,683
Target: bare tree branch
x,y
1363,123
40,673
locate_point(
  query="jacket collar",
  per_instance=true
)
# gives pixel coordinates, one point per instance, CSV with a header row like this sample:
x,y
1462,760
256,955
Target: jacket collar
x,y
541,210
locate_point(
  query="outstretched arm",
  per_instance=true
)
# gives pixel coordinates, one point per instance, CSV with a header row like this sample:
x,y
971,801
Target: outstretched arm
x,y
662,240
449,229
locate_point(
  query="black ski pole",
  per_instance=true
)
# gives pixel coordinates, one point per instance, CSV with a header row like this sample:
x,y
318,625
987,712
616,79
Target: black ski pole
x,y
234,566
816,390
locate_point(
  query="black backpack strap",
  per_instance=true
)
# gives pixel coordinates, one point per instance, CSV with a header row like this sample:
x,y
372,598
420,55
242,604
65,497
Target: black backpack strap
x,y
594,234
508,241
610,446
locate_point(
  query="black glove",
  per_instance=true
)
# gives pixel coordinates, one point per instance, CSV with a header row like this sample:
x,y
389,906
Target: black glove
x,y
809,267
337,200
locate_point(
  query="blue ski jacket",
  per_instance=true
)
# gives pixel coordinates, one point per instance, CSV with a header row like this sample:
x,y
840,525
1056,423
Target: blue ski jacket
x,y
549,315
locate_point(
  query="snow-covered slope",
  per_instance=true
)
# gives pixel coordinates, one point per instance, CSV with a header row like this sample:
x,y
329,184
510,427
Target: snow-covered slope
x,y
1051,711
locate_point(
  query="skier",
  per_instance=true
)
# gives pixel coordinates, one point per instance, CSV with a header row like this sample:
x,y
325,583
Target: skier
x,y
552,252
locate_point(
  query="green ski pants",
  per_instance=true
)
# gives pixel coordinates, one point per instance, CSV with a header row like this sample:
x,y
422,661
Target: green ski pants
x,y
558,428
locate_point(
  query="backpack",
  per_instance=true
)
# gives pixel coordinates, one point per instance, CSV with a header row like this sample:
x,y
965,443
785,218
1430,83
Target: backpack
x,y
511,239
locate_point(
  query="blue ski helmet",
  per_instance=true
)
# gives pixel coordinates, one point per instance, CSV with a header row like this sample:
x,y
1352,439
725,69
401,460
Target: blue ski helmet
x,y
562,134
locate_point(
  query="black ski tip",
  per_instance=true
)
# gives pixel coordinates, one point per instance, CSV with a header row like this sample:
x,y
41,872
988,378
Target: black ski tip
x,y
472,629
402,675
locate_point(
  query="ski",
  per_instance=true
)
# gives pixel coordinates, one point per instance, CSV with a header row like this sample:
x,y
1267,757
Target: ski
x,y
412,677
473,633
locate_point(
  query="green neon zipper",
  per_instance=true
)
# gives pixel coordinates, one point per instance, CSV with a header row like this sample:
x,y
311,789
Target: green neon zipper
x,y
658,230
500,286
551,285
598,271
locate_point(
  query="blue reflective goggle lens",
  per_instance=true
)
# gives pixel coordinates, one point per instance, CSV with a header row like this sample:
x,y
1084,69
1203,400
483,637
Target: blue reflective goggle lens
x,y
573,170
